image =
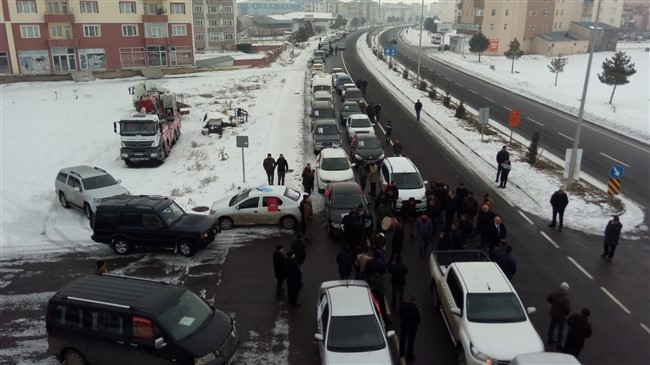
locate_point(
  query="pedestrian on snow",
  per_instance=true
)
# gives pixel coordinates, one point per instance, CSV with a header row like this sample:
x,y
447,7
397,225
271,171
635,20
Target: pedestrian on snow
x,y
470,207
560,309
299,249
612,235
398,271
294,279
397,240
364,86
423,232
409,214
269,167
449,206
506,262
360,263
308,212
282,167
496,233
444,240
308,179
502,156
389,130
370,111
280,268
505,171
484,223
364,172
579,330
344,262
377,111
559,201
457,239
410,319
102,268
418,109
397,148
373,178
358,83
393,194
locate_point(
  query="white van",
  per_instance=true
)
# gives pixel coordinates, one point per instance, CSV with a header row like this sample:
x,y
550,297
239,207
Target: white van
x,y
409,181
436,38
321,82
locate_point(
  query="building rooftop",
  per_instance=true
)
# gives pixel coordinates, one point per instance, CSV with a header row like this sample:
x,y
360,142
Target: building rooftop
x,y
601,25
304,15
562,37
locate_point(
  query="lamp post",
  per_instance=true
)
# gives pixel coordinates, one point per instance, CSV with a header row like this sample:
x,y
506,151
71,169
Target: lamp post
x,y
420,46
583,99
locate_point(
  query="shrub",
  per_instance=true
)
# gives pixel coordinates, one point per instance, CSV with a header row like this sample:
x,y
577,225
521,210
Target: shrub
x,y
446,101
405,74
432,94
531,155
423,85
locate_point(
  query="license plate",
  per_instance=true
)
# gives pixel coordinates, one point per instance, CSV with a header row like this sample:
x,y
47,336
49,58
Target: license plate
x,y
138,154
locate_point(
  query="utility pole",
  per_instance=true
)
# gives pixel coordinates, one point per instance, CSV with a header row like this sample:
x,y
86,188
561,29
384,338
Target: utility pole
x,y
420,47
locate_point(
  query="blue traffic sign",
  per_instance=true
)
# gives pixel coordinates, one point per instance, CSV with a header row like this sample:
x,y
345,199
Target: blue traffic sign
x,y
616,172
390,51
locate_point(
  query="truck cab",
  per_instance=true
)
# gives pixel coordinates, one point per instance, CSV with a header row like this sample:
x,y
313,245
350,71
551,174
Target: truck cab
x,y
141,137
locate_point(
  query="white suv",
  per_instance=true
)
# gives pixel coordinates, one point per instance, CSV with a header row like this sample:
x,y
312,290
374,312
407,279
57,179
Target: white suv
x,y
332,165
408,179
85,187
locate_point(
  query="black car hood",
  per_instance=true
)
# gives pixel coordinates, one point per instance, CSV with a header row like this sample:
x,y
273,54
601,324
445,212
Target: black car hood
x,y
369,153
192,223
209,337
336,215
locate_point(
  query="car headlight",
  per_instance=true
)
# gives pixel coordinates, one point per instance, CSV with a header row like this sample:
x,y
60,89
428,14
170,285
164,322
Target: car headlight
x,y
203,236
479,355
98,200
336,225
205,359
325,181
125,155
381,157
358,157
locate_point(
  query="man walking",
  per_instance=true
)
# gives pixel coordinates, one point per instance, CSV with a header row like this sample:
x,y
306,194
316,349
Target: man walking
x,y
280,268
308,213
282,166
496,233
560,309
373,178
502,156
294,279
579,330
299,249
308,179
418,109
423,231
377,111
398,271
612,235
269,167
506,166
506,262
410,319
364,86
559,201
389,130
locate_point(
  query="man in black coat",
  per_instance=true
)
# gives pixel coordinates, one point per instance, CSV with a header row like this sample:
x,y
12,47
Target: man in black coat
x,y
282,166
418,109
269,168
397,241
495,234
344,262
280,268
484,223
502,156
294,279
559,201
299,249
398,271
579,331
612,235
410,319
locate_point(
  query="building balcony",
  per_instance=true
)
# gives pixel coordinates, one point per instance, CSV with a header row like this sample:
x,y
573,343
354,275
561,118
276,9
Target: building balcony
x,y
159,18
63,42
467,26
59,17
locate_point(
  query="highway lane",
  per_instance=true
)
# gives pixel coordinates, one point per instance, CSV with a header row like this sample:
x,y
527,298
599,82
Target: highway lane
x,y
602,148
542,265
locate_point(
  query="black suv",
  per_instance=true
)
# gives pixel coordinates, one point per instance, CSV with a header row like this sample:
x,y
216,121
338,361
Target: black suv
x,y
154,222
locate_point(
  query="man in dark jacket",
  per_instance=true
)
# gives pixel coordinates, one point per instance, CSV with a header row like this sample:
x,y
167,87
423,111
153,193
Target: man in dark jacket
x,y
282,166
449,206
389,130
410,320
299,249
444,240
398,271
397,241
269,167
377,111
579,330
484,223
344,261
470,207
496,232
560,309
418,109
397,148
375,265
457,238
506,262
612,235
409,214
559,201
392,191
294,279
502,156
461,194
280,268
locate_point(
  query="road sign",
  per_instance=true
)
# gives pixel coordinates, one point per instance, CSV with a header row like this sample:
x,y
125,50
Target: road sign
x,y
484,115
513,120
616,172
390,51
242,141
614,186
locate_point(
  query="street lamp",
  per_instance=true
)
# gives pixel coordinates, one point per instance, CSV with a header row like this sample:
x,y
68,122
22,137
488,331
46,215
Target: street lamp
x,y
420,46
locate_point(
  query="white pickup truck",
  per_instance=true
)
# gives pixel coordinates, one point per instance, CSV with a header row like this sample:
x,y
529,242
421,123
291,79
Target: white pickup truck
x,y
485,318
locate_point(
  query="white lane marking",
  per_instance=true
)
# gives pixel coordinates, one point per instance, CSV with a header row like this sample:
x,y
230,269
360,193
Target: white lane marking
x,y
580,267
645,328
526,218
613,159
505,107
613,298
472,91
486,98
534,121
447,78
565,136
458,84
549,239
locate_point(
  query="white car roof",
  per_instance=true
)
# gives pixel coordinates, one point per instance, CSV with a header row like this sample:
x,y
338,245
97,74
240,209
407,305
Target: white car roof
x,y
358,116
333,153
267,189
483,277
350,298
401,164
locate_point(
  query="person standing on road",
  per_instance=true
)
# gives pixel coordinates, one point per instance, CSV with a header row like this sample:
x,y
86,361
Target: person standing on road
x,y
102,268
269,167
579,330
612,236
364,172
496,233
444,240
308,179
377,111
389,130
282,166
299,249
484,223
280,268
560,309
559,201
449,206
410,319
344,262
470,207
397,239
505,171
418,109
409,214
308,212
358,83
373,178
370,111
398,271
294,279
393,194
364,86
397,148
506,262
502,156
423,232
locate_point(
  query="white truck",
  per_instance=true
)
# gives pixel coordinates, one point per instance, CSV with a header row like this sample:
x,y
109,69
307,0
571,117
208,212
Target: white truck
x,y
484,316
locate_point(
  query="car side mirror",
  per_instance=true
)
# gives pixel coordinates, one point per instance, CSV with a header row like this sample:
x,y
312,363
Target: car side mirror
x,y
318,337
457,311
426,182
160,343
237,207
531,310
119,181
353,164
390,333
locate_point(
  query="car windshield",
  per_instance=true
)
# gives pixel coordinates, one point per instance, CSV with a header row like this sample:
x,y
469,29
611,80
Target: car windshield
x,y
355,334
97,182
407,180
494,308
239,197
347,201
334,164
172,213
368,144
184,317
352,107
324,113
343,80
132,128
327,129
292,194
353,94
360,123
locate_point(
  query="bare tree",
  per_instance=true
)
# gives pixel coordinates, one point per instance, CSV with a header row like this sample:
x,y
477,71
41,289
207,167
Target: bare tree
x,y
557,66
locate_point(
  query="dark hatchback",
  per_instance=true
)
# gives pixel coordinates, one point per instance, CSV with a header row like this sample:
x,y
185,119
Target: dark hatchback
x,y
366,148
340,199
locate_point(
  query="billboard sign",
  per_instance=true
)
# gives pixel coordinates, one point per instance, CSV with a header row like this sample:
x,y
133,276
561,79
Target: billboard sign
x,y
494,45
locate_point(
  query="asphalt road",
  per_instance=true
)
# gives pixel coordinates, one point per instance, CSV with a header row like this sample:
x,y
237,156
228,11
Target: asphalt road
x,y
602,148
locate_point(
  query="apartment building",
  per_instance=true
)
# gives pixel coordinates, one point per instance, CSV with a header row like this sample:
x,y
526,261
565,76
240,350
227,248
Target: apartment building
x,y
319,6
41,37
449,10
359,9
215,24
267,7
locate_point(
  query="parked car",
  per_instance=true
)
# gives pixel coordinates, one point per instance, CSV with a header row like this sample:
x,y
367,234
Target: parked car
x,y
348,108
336,70
349,325
544,358
322,82
340,198
366,148
322,110
322,95
342,80
354,94
85,187
345,87
265,204
325,133
320,54
109,319
393,41
358,124
409,181
152,222
340,46
332,164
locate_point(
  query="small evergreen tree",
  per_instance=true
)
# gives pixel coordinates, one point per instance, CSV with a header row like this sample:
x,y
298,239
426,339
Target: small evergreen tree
x,y
513,53
478,44
616,71
531,155
429,25
354,22
557,66
339,22
363,20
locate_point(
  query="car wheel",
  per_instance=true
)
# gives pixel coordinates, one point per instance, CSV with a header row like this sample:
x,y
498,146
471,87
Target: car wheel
x,y
63,200
74,357
88,211
288,222
226,223
163,155
128,163
187,247
462,359
122,246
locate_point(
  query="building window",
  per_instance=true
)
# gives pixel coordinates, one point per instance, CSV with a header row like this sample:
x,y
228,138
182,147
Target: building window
x,y
547,12
614,10
129,30
562,12
533,27
478,12
26,6
227,9
150,8
198,23
507,12
132,57
157,56
179,30
230,36
215,37
92,30
34,62
199,36
61,31
554,25
611,20
177,8
56,7
4,63
214,23
213,9
556,12
197,9
127,8
63,59
228,23
530,13
30,31
88,7
505,26
155,30
92,59
528,26
560,26
494,12
535,13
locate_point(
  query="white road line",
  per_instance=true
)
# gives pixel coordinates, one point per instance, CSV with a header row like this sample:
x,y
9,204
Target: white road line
x,y
472,91
526,218
505,107
613,159
486,98
447,78
536,122
549,239
458,84
645,328
613,298
580,267
565,136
